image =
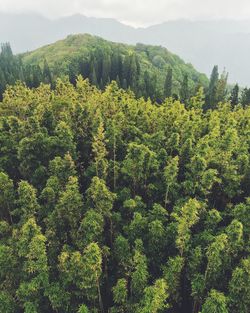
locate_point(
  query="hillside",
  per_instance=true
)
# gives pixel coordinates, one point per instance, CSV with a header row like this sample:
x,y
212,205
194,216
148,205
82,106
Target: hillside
x,y
203,43
103,61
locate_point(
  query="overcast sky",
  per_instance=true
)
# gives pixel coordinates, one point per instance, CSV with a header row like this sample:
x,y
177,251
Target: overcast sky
x,y
134,12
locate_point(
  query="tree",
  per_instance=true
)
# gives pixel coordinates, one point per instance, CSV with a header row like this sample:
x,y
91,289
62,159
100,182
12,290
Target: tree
x,y
138,164
216,258
47,77
7,197
116,65
149,83
222,87
93,75
240,214
100,152
92,260
189,216
184,92
239,287
7,303
197,101
122,253
199,178
216,302
27,201
120,292
61,168
99,197
91,228
155,297
168,83
34,271
137,227
234,98
37,76
84,271
139,277
64,142
235,237
173,274
170,175
83,309
245,97
212,89
106,68
69,210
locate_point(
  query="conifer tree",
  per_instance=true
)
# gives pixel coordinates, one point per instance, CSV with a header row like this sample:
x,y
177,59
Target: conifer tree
x,y
168,83
234,98
245,97
216,302
47,77
212,89
100,152
184,92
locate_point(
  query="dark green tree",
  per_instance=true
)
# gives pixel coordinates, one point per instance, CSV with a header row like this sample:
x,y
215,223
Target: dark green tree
x,y
168,83
234,98
211,99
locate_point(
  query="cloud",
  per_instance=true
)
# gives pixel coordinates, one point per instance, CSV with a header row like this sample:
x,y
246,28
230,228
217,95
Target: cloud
x,y
137,12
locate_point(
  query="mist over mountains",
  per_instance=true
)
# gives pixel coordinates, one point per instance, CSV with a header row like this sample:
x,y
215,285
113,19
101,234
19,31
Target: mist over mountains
x,y
202,43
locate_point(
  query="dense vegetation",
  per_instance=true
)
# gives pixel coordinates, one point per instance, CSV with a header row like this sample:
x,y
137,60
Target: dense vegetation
x,y
147,70
12,69
109,203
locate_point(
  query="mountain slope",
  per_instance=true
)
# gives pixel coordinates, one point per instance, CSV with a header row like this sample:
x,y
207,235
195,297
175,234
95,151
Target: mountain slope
x,y
203,43
102,61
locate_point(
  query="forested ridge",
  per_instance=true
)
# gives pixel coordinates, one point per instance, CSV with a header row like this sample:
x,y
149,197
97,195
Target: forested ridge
x,y
149,71
114,203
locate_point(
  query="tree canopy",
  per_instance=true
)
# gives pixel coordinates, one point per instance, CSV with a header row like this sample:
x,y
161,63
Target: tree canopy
x,y
114,203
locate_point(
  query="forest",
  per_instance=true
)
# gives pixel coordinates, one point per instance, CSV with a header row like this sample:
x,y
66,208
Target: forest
x,y
148,71
115,203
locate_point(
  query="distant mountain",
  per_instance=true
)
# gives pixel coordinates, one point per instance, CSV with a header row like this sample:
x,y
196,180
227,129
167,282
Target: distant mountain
x,y
27,32
204,44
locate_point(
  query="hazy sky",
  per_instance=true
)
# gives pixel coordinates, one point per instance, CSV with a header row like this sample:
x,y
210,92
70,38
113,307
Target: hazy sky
x,y
134,12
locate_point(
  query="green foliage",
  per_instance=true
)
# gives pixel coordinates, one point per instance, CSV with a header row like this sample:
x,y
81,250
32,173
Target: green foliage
x,y
34,271
239,295
120,291
216,302
139,276
91,228
217,257
168,83
83,309
83,270
7,196
7,303
154,298
100,152
109,203
170,175
147,70
212,89
27,201
99,197
234,98
172,274
189,216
